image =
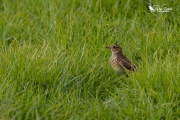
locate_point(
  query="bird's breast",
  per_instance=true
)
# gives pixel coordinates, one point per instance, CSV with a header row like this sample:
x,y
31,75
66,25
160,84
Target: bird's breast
x,y
116,65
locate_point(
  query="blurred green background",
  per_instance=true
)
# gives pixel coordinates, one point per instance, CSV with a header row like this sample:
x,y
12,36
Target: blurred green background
x,y
54,64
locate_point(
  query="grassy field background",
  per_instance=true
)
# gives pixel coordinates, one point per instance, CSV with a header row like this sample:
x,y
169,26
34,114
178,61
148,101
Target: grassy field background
x,y
54,64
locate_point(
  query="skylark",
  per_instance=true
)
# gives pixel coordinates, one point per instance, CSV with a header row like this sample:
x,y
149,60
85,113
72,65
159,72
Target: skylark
x,y
119,62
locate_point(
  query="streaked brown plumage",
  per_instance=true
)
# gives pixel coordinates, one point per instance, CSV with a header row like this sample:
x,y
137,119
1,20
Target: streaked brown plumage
x,y
119,62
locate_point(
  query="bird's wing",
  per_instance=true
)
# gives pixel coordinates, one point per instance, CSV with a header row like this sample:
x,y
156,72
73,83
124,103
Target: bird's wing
x,y
126,63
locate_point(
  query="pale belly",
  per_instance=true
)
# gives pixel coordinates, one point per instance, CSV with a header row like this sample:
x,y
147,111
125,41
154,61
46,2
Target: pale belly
x,y
118,70
116,65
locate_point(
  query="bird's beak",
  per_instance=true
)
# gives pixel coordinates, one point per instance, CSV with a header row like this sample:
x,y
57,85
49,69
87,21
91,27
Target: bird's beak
x,y
108,47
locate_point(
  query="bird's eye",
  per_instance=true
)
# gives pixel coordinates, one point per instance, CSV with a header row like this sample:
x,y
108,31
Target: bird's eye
x,y
114,46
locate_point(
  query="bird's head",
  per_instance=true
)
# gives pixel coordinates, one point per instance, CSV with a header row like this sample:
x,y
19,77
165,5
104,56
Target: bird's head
x,y
115,48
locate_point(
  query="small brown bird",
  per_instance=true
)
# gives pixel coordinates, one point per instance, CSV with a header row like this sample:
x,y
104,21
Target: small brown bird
x,y
119,62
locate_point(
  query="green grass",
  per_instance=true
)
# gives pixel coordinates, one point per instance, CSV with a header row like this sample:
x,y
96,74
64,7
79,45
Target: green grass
x,y
54,64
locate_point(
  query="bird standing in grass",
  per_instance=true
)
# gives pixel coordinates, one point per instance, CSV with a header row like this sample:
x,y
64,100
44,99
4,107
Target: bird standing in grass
x,y
119,62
